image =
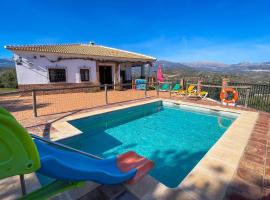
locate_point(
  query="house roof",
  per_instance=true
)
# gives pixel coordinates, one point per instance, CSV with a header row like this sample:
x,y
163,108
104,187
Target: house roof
x,y
85,50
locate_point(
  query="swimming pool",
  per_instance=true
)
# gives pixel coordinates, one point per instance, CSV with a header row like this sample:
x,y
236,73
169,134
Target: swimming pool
x,y
174,136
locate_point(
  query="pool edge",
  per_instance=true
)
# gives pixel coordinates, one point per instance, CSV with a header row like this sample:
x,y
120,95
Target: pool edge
x,y
203,173
220,157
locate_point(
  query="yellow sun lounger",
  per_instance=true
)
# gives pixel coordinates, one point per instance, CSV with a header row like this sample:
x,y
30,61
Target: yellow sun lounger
x,y
191,92
202,94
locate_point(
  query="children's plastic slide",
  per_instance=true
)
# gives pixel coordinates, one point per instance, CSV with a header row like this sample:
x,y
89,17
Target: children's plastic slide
x,y
20,154
66,165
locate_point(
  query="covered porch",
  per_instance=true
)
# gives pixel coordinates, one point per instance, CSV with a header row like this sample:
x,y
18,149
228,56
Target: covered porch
x,y
122,72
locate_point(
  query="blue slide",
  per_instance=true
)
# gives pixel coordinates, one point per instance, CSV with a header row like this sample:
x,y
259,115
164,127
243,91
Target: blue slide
x,y
67,165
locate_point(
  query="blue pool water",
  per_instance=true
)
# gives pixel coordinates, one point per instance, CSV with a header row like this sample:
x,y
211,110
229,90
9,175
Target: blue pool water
x,y
174,138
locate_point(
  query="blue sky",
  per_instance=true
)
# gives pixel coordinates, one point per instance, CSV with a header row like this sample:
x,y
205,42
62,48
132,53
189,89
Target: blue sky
x,y
227,31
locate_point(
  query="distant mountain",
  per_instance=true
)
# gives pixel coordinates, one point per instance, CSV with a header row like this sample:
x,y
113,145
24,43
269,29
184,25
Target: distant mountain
x,y
206,65
215,66
6,63
255,67
169,65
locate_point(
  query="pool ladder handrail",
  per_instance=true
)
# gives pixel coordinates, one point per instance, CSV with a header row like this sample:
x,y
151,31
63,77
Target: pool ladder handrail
x,y
65,147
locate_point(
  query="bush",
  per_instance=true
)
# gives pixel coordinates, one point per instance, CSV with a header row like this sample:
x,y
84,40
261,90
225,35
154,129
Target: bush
x,y
8,78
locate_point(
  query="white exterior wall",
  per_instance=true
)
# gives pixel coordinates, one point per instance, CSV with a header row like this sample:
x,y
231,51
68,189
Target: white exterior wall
x,y
35,70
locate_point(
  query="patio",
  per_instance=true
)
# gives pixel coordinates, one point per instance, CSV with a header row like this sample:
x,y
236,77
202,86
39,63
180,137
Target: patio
x,y
250,181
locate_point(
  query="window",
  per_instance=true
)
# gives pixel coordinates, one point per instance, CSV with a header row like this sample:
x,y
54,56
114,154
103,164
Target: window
x,y
57,75
84,74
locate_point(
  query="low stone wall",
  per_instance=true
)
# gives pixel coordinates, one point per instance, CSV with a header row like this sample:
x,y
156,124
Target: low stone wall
x,y
53,85
63,88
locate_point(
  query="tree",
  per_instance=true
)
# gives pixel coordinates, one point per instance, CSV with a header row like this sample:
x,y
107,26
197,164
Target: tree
x,y
8,78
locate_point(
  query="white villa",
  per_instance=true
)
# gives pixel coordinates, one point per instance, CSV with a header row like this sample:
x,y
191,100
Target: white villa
x,y
46,66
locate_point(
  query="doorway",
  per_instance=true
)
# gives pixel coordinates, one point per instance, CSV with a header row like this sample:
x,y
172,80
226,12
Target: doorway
x,y
105,75
123,76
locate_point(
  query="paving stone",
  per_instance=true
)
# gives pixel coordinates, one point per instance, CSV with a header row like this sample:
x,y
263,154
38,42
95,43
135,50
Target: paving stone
x,y
259,140
251,171
253,158
251,177
127,196
266,182
259,136
234,195
266,194
267,171
267,162
252,180
242,188
256,150
257,145
111,191
268,156
268,150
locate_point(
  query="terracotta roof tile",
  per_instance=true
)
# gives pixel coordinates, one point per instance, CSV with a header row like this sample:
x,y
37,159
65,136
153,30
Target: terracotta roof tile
x,y
87,50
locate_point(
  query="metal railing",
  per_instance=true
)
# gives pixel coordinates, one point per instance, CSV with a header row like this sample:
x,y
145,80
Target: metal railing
x,y
250,95
43,102
58,100
19,103
258,96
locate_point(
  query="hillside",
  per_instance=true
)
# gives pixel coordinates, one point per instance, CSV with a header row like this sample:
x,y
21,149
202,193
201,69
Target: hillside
x,y
215,66
246,72
6,63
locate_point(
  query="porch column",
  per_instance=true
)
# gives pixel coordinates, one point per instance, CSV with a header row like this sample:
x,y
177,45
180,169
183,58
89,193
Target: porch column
x,y
97,74
149,65
117,75
142,71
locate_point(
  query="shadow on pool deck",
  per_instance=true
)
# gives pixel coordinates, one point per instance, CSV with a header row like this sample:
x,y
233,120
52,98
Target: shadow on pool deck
x,y
17,105
54,111
239,189
205,191
7,190
198,189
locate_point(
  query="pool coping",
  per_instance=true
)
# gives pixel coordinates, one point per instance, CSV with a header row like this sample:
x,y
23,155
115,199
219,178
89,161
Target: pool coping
x,y
64,129
211,176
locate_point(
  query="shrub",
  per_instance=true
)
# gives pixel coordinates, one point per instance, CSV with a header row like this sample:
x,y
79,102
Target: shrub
x,y
8,78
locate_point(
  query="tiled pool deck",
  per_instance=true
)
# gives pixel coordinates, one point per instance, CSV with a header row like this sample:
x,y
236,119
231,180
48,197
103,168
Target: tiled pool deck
x,y
252,178
248,179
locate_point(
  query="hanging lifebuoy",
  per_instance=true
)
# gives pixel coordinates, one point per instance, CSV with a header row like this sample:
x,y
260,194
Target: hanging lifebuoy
x,y
227,90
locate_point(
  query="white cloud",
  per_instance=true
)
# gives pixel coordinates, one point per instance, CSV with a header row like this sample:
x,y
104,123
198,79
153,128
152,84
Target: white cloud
x,y
186,49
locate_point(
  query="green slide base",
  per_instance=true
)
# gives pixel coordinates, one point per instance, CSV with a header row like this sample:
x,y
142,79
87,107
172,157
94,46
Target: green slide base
x,y
52,189
18,152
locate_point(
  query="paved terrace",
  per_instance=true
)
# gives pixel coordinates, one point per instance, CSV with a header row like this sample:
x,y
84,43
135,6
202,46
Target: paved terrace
x,y
252,177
